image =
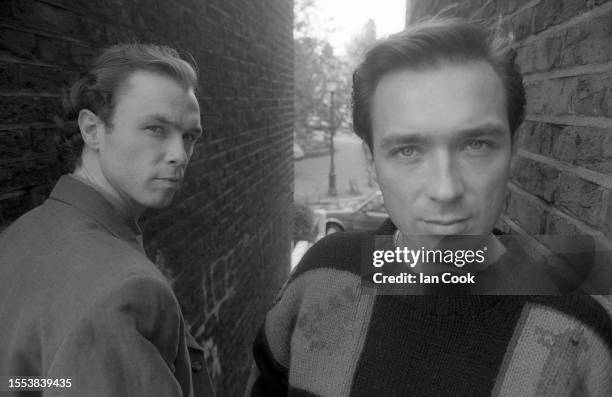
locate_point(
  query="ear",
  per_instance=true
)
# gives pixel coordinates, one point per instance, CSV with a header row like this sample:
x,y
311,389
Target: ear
x,y
92,129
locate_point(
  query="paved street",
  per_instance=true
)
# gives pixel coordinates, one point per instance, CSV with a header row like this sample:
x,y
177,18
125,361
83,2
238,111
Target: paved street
x,y
312,174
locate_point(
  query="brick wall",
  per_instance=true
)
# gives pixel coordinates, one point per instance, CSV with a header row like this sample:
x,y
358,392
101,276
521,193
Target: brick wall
x,y
225,242
562,181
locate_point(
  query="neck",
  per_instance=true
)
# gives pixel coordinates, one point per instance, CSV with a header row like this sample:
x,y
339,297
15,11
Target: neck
x,y
90,172
493,251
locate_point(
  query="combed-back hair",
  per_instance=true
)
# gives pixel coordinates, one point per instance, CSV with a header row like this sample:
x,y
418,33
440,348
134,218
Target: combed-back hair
x,y
98,87
430,44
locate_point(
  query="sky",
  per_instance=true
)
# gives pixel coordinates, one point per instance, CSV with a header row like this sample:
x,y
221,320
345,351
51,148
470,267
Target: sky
x,y
345,18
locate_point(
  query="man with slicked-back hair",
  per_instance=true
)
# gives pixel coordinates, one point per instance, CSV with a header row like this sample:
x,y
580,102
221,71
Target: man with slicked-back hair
x,y
83,311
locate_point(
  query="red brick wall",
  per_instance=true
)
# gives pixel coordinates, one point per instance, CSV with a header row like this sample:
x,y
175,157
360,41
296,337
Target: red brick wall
x,y
562,181
225,242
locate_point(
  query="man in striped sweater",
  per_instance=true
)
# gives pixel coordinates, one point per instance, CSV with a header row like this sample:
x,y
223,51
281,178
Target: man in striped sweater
x,y
438,106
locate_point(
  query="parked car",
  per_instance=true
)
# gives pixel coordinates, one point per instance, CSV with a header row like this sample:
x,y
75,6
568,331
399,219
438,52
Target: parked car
x,y
366,214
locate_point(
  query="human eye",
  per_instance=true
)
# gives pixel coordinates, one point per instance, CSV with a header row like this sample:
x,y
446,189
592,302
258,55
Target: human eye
x,y
406,152
190,137
155,130
478,146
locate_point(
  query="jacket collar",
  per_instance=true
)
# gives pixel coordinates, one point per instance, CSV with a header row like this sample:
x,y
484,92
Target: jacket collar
x,y
88,200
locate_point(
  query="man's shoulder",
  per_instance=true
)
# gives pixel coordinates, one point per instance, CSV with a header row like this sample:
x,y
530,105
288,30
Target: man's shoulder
x,y
339,251
70,251
52,220
58,227
594,311
27,222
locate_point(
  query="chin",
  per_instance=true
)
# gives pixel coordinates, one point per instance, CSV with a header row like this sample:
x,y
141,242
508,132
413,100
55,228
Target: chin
x,y
158,203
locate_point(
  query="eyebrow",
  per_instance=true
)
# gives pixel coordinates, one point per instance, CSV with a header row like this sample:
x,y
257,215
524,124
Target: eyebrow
x,y
492,130
164,120
399,138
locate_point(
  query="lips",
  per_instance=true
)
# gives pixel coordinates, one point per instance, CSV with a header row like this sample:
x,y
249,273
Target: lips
x,y
445,226
445,222
171,180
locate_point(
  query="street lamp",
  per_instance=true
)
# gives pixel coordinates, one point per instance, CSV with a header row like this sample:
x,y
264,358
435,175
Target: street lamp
x,y
332,172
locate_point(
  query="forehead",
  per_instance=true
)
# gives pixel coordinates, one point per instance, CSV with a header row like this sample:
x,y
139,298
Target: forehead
x,y
148,91
438,101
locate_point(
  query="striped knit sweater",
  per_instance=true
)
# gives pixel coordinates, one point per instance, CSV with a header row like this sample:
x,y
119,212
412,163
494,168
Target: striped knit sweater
x,y
326,336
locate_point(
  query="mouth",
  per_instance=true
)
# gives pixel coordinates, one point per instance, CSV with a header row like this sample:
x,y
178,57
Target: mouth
x,y
446,221
445,226
170,180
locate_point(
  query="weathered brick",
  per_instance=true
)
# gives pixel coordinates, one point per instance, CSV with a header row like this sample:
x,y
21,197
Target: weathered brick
x,y
20,143
557,225
119,34
75,6
579,198
606,103
81,55
6,9
28,109
9,76
539,179
484,10
606,222
588,42
587,147
54,51
20,44
553,12
522,25
589,98
48,18
606,147
508,7
547,53
584,95
526,57
540,92
91,30
118,12
527,215
40,78
537,137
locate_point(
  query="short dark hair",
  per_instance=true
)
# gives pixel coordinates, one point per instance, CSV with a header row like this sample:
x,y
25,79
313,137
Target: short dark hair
x,y
98,86
429,44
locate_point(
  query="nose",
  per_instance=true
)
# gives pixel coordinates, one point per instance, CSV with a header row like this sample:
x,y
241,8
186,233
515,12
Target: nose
x,y
445,182
176,153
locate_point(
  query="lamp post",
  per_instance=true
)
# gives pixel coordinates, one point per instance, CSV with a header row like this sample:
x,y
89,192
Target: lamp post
x,y
332,172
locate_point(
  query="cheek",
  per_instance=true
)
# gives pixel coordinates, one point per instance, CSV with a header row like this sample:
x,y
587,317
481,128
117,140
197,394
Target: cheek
x,y
132,163
492,185
399,186
387,177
